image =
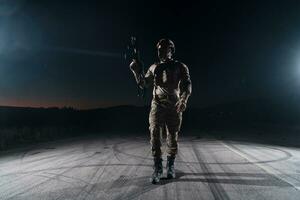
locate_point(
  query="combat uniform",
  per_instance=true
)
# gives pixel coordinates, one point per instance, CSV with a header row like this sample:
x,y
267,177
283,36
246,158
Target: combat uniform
x,y
171,84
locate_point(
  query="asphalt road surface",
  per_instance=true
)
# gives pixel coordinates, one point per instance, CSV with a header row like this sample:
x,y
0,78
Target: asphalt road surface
x,y
119,168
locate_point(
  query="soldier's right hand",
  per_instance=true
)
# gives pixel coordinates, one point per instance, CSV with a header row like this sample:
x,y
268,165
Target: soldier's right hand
x,y
135,66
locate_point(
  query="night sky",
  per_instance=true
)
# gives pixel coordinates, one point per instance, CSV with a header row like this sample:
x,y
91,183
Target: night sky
x,y
70,53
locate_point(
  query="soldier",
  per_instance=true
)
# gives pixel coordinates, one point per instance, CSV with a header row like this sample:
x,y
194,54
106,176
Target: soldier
x,y
171,89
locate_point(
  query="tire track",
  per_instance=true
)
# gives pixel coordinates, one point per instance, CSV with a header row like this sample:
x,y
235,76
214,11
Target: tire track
x,y
25,174
229,172
87,191
143,184
287,154
10,183
54,177
266,167
64,158
192,171
95,179
216,189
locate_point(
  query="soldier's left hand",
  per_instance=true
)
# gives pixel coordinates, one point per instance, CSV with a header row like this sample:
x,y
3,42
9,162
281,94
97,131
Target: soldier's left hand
x,y
180,106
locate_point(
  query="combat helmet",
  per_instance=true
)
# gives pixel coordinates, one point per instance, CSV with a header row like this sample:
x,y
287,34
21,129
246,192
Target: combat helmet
x,y
166,42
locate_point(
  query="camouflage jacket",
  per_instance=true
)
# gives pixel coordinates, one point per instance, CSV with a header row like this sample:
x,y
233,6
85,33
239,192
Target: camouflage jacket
x,y
171,82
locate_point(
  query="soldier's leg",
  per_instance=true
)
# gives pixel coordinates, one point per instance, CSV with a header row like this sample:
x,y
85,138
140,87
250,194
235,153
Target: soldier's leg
x,y
173,122
155,140
156,123
172,143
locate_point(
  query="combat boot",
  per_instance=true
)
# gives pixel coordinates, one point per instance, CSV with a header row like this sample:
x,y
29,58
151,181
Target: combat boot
x,y
158,171
170,167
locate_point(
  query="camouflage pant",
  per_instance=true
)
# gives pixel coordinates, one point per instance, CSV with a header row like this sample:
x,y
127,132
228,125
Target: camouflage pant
x,y
164,119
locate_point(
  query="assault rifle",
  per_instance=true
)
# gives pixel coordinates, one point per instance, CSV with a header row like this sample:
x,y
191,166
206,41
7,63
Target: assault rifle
x,y
132,52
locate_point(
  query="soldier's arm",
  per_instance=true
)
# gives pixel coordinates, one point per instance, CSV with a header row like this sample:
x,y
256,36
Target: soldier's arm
x,y
185,84
143,80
